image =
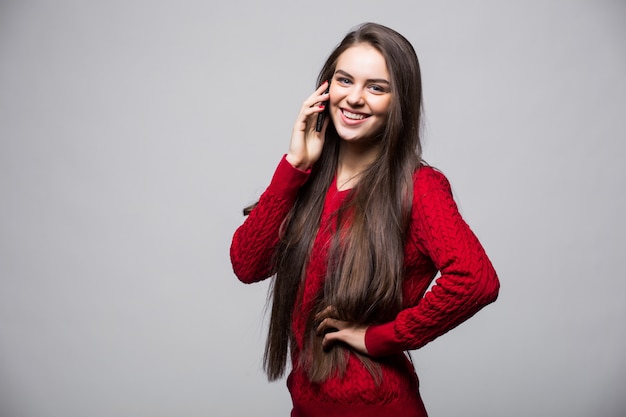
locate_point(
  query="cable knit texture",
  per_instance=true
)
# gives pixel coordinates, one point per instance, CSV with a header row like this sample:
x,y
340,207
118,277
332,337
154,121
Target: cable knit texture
x,y
439,240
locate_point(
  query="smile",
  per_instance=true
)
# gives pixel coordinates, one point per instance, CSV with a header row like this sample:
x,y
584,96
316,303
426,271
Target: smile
x,y
353,116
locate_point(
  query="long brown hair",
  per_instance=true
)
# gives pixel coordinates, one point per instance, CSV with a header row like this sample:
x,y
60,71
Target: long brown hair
x,y
365,267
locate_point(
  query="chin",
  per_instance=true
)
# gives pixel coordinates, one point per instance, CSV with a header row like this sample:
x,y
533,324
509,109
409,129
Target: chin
x,y
365,138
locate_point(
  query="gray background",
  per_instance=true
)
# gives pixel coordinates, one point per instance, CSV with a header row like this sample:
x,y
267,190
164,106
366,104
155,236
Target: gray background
x,y
133,132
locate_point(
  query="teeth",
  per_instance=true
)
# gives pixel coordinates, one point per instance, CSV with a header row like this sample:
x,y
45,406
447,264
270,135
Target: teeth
x,y
353,116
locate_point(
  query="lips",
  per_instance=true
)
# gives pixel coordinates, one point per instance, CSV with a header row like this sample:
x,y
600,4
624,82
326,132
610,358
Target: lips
x,y
352,116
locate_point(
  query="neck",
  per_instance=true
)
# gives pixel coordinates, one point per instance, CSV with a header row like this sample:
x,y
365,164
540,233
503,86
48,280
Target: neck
x,y
354,158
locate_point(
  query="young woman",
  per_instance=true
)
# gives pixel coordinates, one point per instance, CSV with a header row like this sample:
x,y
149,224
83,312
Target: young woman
x,y
354,226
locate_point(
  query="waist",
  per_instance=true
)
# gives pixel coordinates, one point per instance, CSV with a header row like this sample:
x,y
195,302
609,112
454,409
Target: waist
x,y
413,407
357,388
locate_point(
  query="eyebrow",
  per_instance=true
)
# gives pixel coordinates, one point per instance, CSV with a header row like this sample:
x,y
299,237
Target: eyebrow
x,y
371,80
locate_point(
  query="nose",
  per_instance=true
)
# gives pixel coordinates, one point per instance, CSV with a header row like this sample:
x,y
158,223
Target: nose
x,y
355,97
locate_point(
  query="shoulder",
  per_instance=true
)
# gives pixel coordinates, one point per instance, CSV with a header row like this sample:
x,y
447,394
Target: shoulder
x,y
426,179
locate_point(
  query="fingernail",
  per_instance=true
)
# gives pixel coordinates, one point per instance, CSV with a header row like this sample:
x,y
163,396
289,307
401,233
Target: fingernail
x,y
322,106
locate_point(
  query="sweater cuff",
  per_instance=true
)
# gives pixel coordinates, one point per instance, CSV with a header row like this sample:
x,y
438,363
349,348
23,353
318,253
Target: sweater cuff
x,y
287,179
380,340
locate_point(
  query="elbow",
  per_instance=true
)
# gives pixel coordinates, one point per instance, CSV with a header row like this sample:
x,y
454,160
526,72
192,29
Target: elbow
x,y
483,284
249,270
240,270
496,287
246,277
490,285
251,261
243,273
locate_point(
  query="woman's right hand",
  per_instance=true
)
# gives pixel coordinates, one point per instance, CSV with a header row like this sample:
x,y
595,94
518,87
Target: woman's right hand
x,y
306,144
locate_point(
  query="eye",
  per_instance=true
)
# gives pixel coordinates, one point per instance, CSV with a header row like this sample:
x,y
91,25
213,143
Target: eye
x,y
344,80
378,89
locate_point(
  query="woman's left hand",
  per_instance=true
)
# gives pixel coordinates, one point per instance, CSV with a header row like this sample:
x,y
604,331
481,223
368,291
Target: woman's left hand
x,y
335,330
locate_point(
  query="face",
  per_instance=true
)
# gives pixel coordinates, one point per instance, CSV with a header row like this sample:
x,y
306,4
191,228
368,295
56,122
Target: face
x,y
360,94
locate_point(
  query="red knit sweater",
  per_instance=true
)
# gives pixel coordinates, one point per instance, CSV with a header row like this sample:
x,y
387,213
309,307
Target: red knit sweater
x,y
438,240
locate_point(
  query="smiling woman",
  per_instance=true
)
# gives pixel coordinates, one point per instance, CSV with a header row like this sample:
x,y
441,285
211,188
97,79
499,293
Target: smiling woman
x,y
360,94
355,226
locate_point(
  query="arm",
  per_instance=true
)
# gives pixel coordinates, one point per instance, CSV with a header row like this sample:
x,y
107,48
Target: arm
x,y
254,242
467,283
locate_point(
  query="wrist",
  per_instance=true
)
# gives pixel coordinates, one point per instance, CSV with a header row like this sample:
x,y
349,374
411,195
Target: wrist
x,y
297,163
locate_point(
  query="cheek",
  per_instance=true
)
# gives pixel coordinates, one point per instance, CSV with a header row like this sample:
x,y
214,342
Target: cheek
x,y
382,107
334,108
335,97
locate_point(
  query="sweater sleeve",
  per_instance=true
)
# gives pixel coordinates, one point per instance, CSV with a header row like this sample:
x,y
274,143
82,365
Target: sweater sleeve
x,y
254,242
467,279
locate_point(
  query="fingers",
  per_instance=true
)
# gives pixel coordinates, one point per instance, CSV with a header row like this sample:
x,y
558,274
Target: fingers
x,y
330,330
338,331
315,103
329,339
333,330
317,99
315,108
329,311
329,327
322,91
330,324
307,141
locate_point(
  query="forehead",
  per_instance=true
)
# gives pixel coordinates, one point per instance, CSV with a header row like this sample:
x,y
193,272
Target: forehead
x,y
363,60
